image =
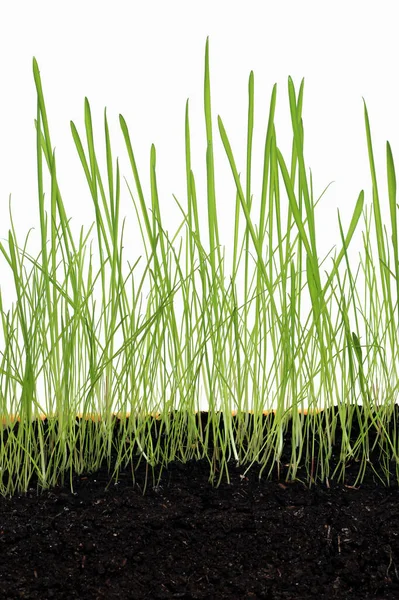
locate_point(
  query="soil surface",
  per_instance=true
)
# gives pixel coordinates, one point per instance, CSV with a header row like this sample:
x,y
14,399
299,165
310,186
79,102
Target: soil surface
x,y
252,538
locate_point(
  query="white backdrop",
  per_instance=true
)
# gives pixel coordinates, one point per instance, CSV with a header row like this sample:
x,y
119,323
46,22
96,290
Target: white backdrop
x,y
144,59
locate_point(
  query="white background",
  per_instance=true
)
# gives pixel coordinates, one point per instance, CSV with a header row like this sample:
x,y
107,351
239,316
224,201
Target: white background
x,y
144,59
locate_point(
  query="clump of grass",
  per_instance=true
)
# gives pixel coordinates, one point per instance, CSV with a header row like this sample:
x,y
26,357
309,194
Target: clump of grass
x,y
51,333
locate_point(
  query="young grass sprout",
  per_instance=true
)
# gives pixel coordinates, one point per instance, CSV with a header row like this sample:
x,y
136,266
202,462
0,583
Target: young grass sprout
x,y
103,361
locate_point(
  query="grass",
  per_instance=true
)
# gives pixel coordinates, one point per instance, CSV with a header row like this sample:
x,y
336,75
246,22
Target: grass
x,y
54,333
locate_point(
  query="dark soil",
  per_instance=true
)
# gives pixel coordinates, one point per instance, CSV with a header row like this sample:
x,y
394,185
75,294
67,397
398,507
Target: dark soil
x,y
184,538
